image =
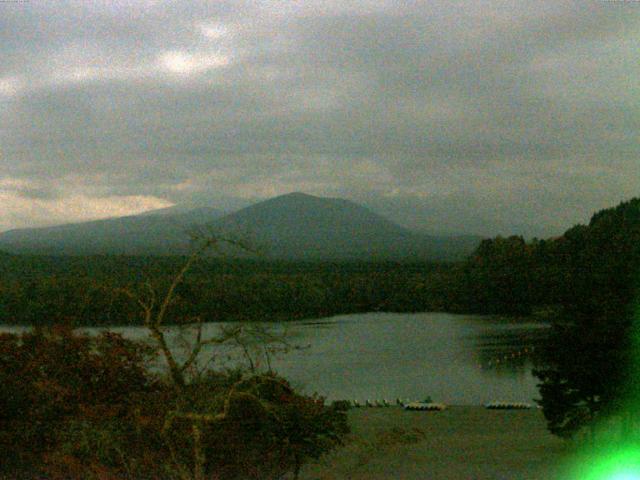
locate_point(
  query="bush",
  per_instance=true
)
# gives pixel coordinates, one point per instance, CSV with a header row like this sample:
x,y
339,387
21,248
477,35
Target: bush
x,y
80,407
53,377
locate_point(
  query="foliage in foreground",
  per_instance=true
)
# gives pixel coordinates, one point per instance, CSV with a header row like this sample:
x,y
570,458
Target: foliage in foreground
x,y
79,407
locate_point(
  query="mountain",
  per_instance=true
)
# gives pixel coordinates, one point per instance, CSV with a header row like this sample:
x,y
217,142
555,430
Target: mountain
x,y
301,226
295,226
155,232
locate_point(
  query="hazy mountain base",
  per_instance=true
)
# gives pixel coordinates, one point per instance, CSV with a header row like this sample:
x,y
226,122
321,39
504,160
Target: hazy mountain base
x,y
458,443
147,234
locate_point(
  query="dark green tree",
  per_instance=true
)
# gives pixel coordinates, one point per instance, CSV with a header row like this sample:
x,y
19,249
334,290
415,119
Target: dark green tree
x,y
589,370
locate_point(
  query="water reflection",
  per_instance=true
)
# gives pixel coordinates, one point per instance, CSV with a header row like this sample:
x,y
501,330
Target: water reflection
x,y
453,358
510,351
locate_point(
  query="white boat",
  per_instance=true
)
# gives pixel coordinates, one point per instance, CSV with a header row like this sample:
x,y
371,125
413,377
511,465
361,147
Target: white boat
x,y
431,406
507,406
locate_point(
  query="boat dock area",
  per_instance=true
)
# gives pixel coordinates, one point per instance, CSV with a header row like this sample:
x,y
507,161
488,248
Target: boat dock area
x,y
460,442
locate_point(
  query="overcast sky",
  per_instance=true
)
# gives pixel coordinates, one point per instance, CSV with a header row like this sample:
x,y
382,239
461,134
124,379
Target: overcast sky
x,y
451,116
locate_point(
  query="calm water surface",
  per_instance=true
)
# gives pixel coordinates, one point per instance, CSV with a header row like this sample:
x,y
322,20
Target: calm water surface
x,y
452,358
456,359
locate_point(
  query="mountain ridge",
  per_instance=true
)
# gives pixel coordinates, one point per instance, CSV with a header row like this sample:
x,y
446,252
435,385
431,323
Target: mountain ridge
x,y
294,226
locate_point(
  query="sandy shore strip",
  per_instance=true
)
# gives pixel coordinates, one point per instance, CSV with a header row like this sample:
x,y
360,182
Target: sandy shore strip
x,y
462,442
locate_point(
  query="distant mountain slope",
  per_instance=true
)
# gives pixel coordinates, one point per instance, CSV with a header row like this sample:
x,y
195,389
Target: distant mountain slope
x,y
300,226
149,233
295,226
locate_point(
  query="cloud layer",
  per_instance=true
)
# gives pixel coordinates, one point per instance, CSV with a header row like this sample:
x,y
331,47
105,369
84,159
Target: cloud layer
x,y
483,116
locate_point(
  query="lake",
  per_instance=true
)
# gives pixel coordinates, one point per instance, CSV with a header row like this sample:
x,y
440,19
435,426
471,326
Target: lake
x,y
452,358
456,359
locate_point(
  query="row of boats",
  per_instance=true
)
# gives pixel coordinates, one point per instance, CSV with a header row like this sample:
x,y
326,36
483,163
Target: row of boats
x,y
429,405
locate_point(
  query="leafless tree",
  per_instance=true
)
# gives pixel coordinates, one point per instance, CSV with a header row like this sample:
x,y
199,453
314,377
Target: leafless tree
x,y
252,339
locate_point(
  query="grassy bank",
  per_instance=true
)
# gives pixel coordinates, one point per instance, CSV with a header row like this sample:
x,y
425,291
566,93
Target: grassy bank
x,y
458,443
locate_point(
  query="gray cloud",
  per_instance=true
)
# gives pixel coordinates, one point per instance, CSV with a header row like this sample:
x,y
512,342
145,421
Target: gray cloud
x,y
490,116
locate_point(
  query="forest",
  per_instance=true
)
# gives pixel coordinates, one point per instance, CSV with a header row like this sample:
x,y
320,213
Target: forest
x,y
507,276
88,290
73,405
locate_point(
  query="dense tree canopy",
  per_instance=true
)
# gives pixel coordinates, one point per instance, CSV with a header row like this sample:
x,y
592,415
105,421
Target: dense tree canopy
x,y
590,365
84,290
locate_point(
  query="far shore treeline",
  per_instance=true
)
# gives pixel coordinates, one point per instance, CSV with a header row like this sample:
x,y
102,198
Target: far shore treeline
x,y
46,290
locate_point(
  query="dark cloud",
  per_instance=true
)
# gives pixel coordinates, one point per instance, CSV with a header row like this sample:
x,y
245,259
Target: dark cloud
x,y
484,117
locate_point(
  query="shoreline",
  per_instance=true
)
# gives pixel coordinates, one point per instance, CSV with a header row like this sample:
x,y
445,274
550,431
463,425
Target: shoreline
x,y
461,442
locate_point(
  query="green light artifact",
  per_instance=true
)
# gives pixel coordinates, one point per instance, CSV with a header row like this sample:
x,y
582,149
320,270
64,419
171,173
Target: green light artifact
x,y
620,463
611,459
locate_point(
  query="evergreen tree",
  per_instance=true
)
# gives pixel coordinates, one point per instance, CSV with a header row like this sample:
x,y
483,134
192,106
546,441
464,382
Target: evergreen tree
x,y
589,367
